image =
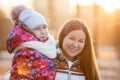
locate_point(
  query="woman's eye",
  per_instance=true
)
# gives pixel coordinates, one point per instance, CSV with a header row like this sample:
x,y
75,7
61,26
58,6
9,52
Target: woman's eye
x,y
71,38
81,41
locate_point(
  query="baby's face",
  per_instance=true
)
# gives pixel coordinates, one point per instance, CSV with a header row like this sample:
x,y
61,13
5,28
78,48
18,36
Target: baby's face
x,y
41,32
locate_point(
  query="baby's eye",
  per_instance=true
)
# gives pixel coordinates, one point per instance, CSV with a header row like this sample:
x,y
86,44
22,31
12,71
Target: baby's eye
x,y
44,27
36,29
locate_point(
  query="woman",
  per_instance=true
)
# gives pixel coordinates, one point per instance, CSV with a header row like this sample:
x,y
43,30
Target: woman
x,y
76,59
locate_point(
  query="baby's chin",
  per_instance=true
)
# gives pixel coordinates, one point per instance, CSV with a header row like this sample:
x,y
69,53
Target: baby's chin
x,y
43,39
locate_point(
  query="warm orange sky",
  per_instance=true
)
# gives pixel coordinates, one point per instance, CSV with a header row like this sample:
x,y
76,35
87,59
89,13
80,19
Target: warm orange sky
x,y
108,5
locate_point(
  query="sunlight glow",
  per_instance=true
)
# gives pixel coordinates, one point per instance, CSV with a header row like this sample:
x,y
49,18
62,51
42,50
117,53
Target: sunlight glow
x,y
20,71
24,2
75,3
6,5
72,7
84,2
109,5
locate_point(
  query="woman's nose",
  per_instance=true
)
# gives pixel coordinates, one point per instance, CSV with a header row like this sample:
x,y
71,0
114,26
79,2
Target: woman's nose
x,y
75,44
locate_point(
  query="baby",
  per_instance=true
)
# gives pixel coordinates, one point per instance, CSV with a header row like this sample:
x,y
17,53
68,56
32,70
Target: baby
x,y
33,47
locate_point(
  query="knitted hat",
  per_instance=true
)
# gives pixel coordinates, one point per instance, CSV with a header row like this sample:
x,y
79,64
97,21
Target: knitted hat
x,y
31,18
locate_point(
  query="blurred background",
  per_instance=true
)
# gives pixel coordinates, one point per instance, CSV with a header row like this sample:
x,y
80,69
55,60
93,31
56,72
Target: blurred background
x,y
102,16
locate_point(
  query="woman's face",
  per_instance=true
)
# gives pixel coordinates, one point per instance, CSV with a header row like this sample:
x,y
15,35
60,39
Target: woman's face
x,y
73,43
41,32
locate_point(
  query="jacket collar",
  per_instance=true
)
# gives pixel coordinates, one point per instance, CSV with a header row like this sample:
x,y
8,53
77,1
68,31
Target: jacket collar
x,y
61,57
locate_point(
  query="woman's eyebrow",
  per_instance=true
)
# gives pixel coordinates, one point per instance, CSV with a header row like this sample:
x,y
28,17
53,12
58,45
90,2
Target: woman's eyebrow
x,y
72,35
75,37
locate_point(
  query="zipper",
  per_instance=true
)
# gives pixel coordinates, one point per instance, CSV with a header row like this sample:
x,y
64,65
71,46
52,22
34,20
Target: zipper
x,y
69,75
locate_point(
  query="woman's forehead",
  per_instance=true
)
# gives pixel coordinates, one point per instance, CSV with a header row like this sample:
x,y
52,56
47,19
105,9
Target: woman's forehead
x,y
77,33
